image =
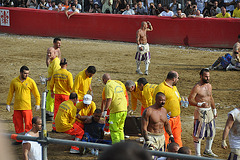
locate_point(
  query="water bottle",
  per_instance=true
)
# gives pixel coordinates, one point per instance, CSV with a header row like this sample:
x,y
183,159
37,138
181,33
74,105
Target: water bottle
x,y
182,102
186,103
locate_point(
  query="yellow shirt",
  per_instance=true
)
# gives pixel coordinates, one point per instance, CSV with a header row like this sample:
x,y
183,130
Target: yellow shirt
x,y
137,95
227,15
66,116
119,82
62,80
85,111
23,93
81,84
173,98
236,13
148,91
114,91
53,67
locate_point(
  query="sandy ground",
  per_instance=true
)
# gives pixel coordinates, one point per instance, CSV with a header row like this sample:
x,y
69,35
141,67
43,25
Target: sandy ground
x,y
117,58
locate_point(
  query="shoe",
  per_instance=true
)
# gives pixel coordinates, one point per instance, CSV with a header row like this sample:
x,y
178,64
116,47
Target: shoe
x,y
209,154
138,71
73,151
146,72
126,136
229,67
96,152
92,151
16,143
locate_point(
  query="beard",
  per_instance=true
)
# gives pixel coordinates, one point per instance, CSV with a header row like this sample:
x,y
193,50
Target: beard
x,y
205,81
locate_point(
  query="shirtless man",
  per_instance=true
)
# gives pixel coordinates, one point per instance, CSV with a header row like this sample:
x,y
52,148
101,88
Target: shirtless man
x,y
143,53
56,46
235,61
154,118
204,114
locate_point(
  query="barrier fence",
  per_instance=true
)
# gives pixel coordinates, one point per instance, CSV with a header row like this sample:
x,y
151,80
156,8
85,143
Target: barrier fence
x,y
196,32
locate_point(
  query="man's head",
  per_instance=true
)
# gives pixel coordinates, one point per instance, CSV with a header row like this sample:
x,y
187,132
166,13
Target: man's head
x,y
173,147
130,85
56,43
166,8
215,4
51,53
37,123
198,12
140,4
238,5
173,77
105,78
205,75
90,71
127,7
73,97
179,12
73,6
24,72
87,100
97,115
63,63
60,6
53,3
184,150
141,83
160,99
144,25
223,10
75,2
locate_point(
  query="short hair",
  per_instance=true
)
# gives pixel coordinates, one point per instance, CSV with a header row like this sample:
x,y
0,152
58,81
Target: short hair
x,y
184,150
56,39
24,68
73,4
171,146
203,70
171,75
167,6
91,69
97,111
73,95
125,151
160,94
129,83
142,81
34,119
179,9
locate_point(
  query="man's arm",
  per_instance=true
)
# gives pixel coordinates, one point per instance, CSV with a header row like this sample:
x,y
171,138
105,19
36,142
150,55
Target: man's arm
x,y
228,126
150,27
26,148
75,12
145,122
138,37
213,103
10,93
192,97
108,103
35,93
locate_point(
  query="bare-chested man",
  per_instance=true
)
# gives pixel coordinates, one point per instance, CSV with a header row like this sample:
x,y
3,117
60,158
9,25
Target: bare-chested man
x,y
154,118
235,61
204,114
56,46
143,53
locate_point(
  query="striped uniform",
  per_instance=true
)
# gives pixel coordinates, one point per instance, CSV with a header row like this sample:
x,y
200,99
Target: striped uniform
x,y
143,55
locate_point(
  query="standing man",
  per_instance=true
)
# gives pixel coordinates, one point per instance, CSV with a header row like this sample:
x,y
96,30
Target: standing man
x,y
136,94
56,46
147,89
204,114
32,149
233,129
143,53
82,82
172,105
23,86
154,119
53,67
117,104
62,81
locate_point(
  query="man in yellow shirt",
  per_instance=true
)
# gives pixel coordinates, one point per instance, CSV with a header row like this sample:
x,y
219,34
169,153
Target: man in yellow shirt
x,y
62,81
223,13
236,12
172,105
117,104
136,94
57,51
82,82
22,86
147,89
53,67
66,118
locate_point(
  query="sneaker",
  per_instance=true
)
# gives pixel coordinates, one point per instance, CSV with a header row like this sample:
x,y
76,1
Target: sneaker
x,y
93,151
229,67
96,152
73,151
126,136
138,71
210,68
146,72
209,154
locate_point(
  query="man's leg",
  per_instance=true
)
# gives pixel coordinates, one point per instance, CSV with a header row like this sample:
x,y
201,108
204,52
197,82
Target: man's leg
x,y
121,124
147,58
215,63
138,59
18,122
27,115
49,106
177,131
114,119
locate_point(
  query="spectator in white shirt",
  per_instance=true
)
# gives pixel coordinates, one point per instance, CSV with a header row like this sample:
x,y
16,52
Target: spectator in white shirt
x,y
73,9
53,7
128,11
166,12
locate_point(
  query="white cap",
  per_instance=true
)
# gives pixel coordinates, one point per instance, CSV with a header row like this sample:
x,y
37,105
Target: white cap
x,y
87,99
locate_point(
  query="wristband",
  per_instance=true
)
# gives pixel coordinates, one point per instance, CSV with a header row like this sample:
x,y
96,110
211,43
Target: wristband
x,y
224,144
171,135
214,111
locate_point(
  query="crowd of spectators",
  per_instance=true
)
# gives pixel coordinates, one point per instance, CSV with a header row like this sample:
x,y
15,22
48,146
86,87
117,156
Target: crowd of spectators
x,y
193,8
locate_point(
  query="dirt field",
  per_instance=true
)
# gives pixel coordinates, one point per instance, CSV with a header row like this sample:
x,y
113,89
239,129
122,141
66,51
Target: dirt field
x,y
117,58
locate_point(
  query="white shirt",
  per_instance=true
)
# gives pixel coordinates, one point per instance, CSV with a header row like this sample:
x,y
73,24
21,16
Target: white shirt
x,y
175,7
231,7
51,8
76,10
201,4
234,133
35,152
129,12
169,14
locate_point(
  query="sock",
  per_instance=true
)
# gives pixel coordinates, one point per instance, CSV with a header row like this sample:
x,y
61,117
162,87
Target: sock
x,y
197,148
146,66
138,65
209,142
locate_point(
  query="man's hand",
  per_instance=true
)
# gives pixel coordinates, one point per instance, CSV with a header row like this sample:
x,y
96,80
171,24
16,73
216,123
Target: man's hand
x,y
8,108
52,94
37,107
171,139
104,113
202,104
215,112
224,144
141,48
149,145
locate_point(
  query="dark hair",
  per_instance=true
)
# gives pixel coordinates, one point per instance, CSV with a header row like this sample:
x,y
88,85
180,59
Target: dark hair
x,y
171,75
184,150
56,39
73,4
159,94
34,120
203,70
63,61
171,146
179,9
91,69
73,95
142,81
125,151
24,68
97,111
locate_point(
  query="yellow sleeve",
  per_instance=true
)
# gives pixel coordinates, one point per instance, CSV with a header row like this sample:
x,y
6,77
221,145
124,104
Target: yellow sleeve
x,y
79,106
35,93
73,115
134,102
51,83
228,15
70,81
10,93
234,13
147,96
93,108
76,84
108,92
103,94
